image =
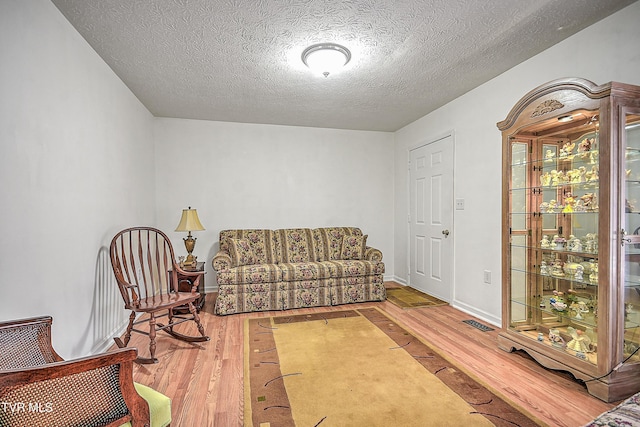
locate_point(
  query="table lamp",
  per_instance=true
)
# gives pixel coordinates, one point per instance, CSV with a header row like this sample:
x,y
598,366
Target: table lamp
x,y
189,222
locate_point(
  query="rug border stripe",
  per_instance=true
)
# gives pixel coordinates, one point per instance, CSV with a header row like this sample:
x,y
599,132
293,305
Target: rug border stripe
x,y
473,376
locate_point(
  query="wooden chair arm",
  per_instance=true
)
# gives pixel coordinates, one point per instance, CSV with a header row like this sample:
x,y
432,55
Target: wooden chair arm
x,y
93,390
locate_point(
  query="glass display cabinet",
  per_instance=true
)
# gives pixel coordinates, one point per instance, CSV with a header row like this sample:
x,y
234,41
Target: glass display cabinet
x,y
571,225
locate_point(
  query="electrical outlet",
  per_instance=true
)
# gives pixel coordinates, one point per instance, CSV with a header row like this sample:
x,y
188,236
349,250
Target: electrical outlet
x,y
487,277
460,204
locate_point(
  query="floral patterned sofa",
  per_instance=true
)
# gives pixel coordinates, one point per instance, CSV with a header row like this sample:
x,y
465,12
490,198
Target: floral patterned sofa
x,y
260,270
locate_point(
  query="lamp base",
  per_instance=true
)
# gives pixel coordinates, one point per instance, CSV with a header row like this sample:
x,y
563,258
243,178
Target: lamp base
x,y
190,261
189,245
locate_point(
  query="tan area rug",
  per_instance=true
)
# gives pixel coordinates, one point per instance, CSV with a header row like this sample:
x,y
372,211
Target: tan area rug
x,y
408,297
358,368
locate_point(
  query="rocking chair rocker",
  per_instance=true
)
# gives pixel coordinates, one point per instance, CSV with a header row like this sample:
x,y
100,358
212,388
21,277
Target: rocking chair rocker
x,y
144,264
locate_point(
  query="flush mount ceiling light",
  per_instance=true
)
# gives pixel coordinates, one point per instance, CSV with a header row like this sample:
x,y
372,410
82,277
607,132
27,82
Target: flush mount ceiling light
x,y
326,58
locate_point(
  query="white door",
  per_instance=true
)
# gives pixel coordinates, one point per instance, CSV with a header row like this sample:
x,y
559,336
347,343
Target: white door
x,y
431,218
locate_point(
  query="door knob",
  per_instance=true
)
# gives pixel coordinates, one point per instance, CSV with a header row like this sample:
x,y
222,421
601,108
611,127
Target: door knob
x,y
446,233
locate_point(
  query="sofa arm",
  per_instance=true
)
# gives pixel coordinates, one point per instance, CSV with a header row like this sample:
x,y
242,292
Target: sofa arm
x,y
372,254
221,261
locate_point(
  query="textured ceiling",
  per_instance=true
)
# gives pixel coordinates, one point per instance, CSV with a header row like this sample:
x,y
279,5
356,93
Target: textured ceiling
x,y
239,60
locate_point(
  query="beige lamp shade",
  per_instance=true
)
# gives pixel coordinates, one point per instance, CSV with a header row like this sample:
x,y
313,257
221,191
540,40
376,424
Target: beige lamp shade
x,y
189,221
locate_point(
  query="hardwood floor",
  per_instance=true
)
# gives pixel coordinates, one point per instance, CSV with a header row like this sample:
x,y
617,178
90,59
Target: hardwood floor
x,y
205,380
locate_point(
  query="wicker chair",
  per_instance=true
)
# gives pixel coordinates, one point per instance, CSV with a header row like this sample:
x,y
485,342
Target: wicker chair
x,y
147,274
38,388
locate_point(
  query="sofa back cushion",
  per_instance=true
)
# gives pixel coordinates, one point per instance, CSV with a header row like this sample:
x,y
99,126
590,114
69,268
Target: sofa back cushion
x,y
329,241
296,245
263,244
241,252
353,247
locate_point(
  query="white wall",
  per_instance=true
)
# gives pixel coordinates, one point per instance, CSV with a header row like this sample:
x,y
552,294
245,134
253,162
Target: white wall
x,y
265,176
76,165
606,51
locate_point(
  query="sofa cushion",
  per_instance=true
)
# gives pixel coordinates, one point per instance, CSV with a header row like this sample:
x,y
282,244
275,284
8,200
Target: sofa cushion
x,y
329,241
353,247
262,242
354,268
241,252
257,273
296,245
304,271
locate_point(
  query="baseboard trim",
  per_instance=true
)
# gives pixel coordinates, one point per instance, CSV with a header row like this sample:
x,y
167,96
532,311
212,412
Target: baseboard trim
x,y
104,345
395,279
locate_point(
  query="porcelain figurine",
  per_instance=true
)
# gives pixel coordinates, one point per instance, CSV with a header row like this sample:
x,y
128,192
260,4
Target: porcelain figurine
x,y
555,338
566,152
591,243
574,177
584,147
555,180
582,306
544,268
575,311
545,243
562,177
577,245
549,155
544,207
582,171
551,208
580,342
556,268
545,179
588,200
593,277
572,242
579,276
569,203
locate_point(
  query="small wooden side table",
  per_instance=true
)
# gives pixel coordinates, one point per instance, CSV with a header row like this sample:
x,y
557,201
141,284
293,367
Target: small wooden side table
x,y
185,283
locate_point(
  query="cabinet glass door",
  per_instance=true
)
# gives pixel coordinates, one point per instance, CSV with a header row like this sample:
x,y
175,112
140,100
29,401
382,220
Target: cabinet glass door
x,y
520,219
632,249
554,213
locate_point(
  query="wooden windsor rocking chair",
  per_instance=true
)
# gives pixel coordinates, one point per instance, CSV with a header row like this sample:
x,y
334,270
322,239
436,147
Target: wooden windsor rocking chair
x,y
144,264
